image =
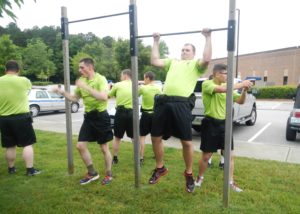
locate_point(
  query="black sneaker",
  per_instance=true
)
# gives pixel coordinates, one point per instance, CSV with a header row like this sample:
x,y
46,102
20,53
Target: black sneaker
x,y
157,173
11,170
33,172
190,183
221,165
115,160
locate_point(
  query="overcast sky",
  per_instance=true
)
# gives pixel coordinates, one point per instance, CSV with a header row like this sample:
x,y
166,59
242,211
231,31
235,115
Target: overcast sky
x,y
264,24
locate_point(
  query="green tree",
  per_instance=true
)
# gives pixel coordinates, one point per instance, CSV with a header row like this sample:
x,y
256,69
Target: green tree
x,y
8,51
37,60
7,7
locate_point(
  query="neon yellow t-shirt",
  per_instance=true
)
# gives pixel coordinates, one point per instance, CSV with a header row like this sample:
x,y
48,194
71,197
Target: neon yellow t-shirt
x,y
14,94
98,83
181,77
215,103
122,91
148,92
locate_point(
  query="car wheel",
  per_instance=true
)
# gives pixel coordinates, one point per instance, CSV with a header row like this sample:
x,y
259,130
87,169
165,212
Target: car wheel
x,y
253,117
34,110
290,134
74,107
197,128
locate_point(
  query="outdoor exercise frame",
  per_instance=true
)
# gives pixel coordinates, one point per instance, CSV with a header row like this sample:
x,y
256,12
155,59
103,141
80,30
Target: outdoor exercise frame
x,y
134,67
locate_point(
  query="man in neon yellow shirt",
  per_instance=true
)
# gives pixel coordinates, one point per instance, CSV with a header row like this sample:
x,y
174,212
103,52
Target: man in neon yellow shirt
x,y
213,125
15,119
147,91
172,111
122,91
93,89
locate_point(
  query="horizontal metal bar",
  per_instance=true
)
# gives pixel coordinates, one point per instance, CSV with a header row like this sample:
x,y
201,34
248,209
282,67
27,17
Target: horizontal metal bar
x,y
179,33
99,17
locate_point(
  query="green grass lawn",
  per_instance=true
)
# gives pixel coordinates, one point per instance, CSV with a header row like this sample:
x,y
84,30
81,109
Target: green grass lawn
x,y
269,186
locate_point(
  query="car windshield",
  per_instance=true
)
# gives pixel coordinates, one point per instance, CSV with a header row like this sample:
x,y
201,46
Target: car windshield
x,y
297,98
54,95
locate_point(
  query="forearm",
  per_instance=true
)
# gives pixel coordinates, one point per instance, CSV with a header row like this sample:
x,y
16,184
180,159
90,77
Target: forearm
x,y
242,98
69,96
155,56
99,95
207,52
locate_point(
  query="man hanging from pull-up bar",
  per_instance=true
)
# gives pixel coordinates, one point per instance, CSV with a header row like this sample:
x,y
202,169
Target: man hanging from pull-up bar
x,y
172,110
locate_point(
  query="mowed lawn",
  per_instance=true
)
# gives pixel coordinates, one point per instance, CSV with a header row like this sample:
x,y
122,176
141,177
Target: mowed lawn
x,y
269,186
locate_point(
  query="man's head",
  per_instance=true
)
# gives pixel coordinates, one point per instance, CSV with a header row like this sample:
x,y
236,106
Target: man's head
x,y
12,66
125,74
220,73
149,76
188,52
86,66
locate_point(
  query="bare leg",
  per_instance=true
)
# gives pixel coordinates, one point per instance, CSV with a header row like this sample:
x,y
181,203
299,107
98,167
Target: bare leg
x,y
231,168
107,157
203,162
28,156
158,150
116,146
84,153
187,150
10,156
142,144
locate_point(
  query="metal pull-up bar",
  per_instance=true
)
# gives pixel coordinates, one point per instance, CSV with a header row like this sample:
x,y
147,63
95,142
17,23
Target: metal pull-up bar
x,y
98,17
180,33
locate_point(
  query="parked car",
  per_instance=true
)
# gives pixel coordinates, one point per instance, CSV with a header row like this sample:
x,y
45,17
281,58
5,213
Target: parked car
x,y
293,121
41,100
241,113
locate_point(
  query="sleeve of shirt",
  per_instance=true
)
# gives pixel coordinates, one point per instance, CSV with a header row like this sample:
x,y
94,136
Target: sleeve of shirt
x,y
208,87
113,91
168,63
235,95
200,69
140,90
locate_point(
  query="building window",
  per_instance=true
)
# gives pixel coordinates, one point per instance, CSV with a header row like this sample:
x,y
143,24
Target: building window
x,y
285,80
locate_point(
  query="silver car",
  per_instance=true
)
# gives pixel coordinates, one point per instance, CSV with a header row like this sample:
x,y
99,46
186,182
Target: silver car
x,y
293,121
41,100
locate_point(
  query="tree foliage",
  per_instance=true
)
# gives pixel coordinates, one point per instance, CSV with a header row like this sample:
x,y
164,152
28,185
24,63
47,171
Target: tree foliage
x,y
37,60
8,51
6,7
40,51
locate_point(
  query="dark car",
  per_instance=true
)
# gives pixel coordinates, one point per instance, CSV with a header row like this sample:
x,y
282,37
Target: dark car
x,y
293,122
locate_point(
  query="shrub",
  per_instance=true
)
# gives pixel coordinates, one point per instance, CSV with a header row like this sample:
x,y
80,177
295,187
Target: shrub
x,y
275,92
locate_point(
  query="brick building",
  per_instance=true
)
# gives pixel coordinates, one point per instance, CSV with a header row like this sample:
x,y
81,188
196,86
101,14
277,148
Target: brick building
x,y
275,67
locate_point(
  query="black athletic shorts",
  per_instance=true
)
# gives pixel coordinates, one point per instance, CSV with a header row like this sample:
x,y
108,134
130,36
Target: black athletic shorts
x,y
172,117
123,122
213,135
96,127
17,130
145,123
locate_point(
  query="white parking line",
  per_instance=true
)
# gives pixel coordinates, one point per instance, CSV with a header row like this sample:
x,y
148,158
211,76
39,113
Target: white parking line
x,y
260,131
275,106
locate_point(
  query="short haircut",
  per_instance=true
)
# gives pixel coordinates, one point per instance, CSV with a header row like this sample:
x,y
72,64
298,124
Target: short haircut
x,y
193,46
127,72
219,68
87,61
12,65
150,75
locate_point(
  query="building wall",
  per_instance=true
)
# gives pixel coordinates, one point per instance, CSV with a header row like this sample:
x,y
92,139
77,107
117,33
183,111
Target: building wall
x,y
273,66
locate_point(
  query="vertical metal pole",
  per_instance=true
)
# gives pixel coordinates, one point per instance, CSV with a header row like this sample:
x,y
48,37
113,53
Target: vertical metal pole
x,y
65,44
237,45
134,68
229,97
